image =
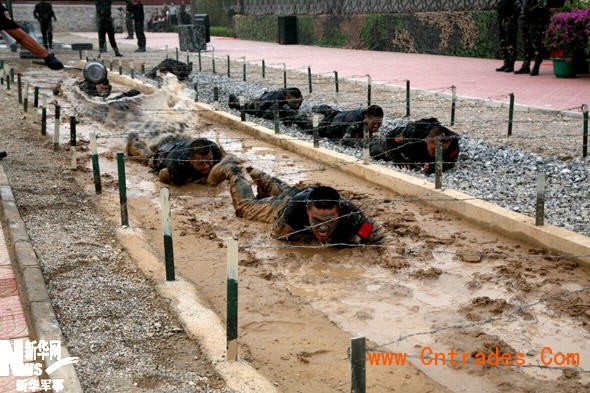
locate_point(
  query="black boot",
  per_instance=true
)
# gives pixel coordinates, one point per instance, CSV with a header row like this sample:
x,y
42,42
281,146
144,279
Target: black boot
x,y
524,69
509,66
535,70
117,53
503,68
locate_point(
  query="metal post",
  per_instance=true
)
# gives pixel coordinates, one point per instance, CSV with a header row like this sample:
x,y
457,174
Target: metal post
x,y
284,75
142,68
369,91
167,231
585,131
56,129
263,69
73,162
228,67
540,205
200,67
309,78
453,104
176,53
242,111
213,60
510,114
44,116
358,355
111,65
20,88
80,53
438,166
36,97
12,75
196,87
408,98
26,97
120,67
232,300
132,66
215,98
366,140
95,166
122,188
244,70
336,81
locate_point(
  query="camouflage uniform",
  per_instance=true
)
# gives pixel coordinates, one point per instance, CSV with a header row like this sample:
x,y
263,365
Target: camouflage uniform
x,y
43,12
178,68
534,15
285,207
508,25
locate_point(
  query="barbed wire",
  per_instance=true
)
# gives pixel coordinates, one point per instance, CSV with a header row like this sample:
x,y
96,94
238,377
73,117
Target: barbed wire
x,y
511,314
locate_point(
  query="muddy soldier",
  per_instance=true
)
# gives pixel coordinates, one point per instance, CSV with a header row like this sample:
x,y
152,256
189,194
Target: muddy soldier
x,y
534,15
175,159
348,126
508,11
287,101
314,213
413,146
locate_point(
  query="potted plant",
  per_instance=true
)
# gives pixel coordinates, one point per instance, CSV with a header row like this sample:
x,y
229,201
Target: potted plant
x,y
568,32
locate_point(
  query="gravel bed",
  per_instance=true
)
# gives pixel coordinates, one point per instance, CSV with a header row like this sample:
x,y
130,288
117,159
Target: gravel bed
x,y
491,166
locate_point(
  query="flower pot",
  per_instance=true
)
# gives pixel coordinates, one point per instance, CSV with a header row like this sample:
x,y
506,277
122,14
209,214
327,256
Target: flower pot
x,y
563,68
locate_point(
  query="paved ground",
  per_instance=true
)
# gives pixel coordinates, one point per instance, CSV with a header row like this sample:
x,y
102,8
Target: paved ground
x,y
473,77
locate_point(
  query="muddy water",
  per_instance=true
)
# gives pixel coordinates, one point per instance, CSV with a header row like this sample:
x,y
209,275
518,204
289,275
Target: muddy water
x,y
420,283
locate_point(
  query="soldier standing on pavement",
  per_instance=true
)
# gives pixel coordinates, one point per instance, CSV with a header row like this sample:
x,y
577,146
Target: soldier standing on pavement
x,y
534,15
105,26
138,18
508,12
43,12
129,19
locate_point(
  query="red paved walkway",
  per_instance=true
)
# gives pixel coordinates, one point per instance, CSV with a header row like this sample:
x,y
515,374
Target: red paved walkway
x,y
473,77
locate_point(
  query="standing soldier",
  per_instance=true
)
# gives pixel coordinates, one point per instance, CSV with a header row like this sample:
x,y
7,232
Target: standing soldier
x,y
105,26
129,20
138,19
43,12
508,25
535,17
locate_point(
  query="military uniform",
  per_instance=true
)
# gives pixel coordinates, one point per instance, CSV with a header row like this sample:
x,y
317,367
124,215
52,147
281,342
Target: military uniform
x,y
90,88
138,18
105,26
346,126
173,153
264,105
178,68
43,12
405,145
508,11
534,15
285,207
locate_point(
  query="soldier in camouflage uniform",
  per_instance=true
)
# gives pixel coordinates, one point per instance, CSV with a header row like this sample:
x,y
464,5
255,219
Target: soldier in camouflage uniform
x,y
534,15
105,26
314,213
508,11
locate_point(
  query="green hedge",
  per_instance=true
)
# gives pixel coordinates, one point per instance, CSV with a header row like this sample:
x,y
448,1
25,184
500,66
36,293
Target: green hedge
x,y
473,34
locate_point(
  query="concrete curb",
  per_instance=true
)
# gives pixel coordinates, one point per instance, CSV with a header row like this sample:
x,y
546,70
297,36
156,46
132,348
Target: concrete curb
x,y
484,214
40,315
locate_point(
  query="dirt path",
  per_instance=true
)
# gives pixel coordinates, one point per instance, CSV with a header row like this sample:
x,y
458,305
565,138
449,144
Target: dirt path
x,y
299,307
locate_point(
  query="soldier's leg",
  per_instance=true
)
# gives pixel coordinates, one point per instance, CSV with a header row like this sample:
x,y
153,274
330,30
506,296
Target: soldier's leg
x,y
50,35
528,49
511,33
503,33
537,33
267,185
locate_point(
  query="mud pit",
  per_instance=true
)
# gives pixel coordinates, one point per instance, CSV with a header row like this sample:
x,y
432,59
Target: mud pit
x,y
299,306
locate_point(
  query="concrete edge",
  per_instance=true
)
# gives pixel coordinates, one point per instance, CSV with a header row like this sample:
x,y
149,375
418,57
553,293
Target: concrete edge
x,y
484,214
196,317
33,292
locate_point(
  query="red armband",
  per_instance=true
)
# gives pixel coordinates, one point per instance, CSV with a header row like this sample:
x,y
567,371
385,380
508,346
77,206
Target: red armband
x,y
365,230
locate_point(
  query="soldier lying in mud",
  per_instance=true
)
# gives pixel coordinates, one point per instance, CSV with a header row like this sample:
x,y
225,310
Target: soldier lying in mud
x,y
177,160
178,68
103,89
316,213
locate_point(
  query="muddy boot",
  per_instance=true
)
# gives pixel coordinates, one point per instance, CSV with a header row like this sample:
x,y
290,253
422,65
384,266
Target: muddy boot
x,y
509,66
137,148
501,69
233,102
524,69
266,185
535,70
230,165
